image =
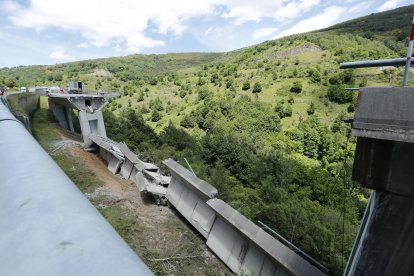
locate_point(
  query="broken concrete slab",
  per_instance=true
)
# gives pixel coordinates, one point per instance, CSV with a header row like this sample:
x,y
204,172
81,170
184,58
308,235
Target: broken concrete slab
x,y
256,240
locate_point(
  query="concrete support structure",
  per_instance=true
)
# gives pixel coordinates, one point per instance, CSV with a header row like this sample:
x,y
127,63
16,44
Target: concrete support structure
x,y
90,114
91,123
384,158
63,115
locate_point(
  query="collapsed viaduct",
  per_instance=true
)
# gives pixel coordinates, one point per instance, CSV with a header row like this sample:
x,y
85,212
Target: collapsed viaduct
x,y
48,226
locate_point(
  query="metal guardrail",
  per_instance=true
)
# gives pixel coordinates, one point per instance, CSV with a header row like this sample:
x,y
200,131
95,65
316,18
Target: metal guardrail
x,y
47,226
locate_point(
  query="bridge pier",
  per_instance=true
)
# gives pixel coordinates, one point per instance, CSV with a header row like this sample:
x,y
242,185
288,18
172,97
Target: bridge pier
x,y
90,114
384,158
63,115
91,123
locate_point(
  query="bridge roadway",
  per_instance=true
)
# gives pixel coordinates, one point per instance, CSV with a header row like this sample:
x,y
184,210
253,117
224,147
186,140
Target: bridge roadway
x,y
47,226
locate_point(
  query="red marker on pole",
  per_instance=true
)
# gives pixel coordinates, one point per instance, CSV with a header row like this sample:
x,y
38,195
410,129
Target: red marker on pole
x,y
409,54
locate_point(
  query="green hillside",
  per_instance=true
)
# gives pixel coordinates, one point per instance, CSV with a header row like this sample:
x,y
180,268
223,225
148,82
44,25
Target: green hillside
x,y
264,124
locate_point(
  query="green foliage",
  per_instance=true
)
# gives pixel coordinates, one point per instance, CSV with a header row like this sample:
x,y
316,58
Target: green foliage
x,y
246,85
188,121
257,87
311,109
155,116
282,167
296,87
183,93
339,95
203,92
156,104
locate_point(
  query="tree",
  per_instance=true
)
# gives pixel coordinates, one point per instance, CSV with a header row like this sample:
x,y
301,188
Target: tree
x,y
246,85
203,92
188,121
155,116
257,87
339,95
183,93
311,109
153,81
296,87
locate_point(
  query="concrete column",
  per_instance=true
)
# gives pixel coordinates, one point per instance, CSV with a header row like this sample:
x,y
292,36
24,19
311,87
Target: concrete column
x,y
69,119
59,112
91,123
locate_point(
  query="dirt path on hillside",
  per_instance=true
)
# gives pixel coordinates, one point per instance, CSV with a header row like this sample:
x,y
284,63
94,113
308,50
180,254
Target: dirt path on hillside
x,y
119,189
165,233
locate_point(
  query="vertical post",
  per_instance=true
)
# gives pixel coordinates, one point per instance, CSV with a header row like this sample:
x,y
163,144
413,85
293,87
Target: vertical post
x,y
409,54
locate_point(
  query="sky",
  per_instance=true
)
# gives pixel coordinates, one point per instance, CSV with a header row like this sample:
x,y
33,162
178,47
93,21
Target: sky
x,y
57,31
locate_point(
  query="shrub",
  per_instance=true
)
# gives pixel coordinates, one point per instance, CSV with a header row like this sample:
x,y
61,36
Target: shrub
x,y
155,116
296,87
246,85
257,88
311,109
339,95
183,93
187,121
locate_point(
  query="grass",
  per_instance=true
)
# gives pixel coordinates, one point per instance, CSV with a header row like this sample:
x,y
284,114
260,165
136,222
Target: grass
x,y
48,136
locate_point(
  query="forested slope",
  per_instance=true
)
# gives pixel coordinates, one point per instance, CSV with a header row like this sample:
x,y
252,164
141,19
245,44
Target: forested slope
x,y
264,124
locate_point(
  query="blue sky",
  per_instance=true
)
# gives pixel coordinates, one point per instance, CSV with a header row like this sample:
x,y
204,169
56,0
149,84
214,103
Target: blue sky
x,y
56,31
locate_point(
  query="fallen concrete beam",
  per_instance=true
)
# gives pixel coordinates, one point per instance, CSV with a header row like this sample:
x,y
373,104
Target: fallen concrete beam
x,y
109,151
245,247
197,185
188,194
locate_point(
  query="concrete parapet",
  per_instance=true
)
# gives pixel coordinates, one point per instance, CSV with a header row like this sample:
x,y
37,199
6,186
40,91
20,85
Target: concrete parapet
x,y
188,194
22,106
245,247
197,185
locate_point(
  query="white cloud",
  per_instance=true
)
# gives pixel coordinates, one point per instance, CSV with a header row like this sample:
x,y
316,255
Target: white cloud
x,y
126,23
246,10
60,54
9,6
105,22
295,9
389,5
83,45
328,17
360,7
264,32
